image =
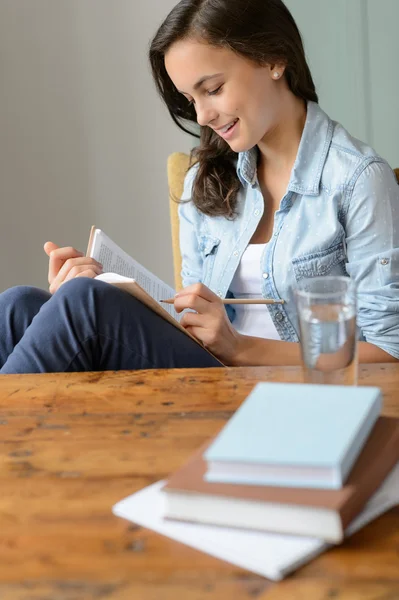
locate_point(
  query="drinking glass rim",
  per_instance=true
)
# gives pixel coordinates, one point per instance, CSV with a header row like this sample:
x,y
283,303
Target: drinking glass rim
x,y
305,294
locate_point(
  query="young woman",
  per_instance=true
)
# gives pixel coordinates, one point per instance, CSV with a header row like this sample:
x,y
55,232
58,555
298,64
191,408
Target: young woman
x,y
279,192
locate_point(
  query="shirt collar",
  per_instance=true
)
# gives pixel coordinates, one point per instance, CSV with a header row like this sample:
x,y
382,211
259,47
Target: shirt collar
x,y
309,163
246,166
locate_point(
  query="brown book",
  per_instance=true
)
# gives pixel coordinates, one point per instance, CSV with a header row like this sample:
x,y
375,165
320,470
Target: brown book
x,y
312,512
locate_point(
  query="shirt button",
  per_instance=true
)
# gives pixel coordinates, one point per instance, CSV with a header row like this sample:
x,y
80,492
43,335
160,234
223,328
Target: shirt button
x,y
279,317
256,213
235,253
265,275
220,294
384,261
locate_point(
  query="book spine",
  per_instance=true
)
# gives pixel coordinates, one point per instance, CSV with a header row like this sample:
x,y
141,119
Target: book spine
x,y
360,439
371,479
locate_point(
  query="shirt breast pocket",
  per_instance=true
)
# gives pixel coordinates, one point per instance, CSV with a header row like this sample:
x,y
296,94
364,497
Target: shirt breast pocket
x,y
208,248
326,262
388,268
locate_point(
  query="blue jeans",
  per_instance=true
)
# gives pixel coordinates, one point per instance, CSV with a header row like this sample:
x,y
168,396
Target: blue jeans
x,y
88,325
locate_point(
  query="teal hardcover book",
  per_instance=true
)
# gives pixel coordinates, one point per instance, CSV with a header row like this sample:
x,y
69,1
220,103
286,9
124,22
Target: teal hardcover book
x,y
294,435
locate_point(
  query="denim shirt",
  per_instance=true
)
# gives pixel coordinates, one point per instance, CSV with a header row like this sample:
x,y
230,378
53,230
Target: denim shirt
x,y
339,216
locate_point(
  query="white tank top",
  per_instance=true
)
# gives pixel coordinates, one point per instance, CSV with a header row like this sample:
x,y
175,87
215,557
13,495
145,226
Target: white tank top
x,y
251,319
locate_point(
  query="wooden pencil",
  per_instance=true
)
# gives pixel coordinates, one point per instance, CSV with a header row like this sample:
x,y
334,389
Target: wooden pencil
x,y
238,301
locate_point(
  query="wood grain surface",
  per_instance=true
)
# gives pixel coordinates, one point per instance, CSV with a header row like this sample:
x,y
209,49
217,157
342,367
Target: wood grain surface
x,y
74,444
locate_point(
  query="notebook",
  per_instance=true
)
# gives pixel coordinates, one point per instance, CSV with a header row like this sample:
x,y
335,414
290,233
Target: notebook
x,y
294,435
312,512
271,555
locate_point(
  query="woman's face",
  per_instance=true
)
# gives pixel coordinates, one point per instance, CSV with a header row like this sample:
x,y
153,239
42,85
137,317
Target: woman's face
x,y
234,96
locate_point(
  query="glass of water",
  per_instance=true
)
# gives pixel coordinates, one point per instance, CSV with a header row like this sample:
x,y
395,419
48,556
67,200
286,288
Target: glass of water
x,y
326,308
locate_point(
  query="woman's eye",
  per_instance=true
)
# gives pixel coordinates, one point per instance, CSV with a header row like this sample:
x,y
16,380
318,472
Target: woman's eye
x,y
214,92
210,93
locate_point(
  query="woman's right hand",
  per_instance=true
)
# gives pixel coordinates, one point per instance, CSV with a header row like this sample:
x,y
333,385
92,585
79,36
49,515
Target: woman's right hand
x,y
68,263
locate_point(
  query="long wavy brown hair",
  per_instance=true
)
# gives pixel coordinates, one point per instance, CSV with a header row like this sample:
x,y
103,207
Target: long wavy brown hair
x,y
263,31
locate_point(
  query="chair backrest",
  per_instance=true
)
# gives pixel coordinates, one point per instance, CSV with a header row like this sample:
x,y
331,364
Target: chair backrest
x,y
178,164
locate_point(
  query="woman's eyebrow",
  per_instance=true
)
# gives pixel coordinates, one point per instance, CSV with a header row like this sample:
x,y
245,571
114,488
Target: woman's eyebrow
x,y
201,81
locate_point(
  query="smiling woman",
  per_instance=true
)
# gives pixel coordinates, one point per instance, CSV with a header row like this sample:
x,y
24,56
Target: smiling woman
x,y
278,191
231,62
288,185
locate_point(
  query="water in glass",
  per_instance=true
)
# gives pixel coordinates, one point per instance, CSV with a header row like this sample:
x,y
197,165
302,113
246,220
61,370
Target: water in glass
x,y
328,342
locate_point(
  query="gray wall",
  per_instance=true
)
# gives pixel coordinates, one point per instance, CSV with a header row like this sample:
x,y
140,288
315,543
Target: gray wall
x,y
84,138
352,48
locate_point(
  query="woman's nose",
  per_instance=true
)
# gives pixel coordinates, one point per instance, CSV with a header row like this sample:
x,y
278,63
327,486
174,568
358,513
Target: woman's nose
x,y
205,114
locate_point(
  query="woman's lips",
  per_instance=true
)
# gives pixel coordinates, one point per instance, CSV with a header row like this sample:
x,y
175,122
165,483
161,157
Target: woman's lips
x,y
230,132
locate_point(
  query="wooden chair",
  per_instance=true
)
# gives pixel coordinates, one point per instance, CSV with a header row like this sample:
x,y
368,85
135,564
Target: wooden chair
x,y
178,164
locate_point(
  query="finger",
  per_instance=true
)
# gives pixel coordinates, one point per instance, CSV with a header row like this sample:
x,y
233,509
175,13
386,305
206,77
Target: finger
x,y
191,319
76,262
58,256
90,273
192,301
205,330
83,271
69,265
203,335
49,247
201,290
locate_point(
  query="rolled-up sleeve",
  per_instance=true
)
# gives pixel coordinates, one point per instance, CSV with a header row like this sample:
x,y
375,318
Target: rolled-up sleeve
x,y
372,240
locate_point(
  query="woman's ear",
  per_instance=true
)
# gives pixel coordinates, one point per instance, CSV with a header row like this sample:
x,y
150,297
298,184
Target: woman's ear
x,y
277,70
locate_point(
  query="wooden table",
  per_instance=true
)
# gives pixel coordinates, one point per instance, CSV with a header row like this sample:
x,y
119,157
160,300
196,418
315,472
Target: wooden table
x,y
74,444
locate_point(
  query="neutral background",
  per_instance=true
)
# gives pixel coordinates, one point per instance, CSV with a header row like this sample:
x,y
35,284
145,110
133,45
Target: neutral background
x,y
84,138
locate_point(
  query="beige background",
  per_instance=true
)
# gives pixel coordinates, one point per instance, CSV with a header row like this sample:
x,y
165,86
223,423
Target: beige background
x,y
84,138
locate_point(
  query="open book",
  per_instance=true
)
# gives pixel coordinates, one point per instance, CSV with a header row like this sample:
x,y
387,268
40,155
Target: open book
x,y
124,272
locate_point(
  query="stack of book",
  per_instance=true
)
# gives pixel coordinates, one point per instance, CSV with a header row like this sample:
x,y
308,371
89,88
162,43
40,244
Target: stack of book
x,y
296,468
293,459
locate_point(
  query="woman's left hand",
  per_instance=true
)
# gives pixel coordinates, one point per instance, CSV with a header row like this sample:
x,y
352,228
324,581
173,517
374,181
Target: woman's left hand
x,y
209,323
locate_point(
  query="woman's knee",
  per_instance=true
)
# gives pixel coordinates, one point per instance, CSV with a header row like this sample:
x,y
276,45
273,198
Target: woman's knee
x,y
22,296
86,296
81,288
88,305
85,293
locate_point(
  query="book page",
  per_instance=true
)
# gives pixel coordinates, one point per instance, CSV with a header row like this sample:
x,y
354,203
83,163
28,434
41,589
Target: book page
x,y
116,260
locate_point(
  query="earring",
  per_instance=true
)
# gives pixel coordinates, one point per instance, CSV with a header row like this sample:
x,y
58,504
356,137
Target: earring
x,y
276,75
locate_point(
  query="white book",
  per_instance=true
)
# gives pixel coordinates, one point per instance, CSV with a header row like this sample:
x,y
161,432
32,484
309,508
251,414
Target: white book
x,y
271,555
